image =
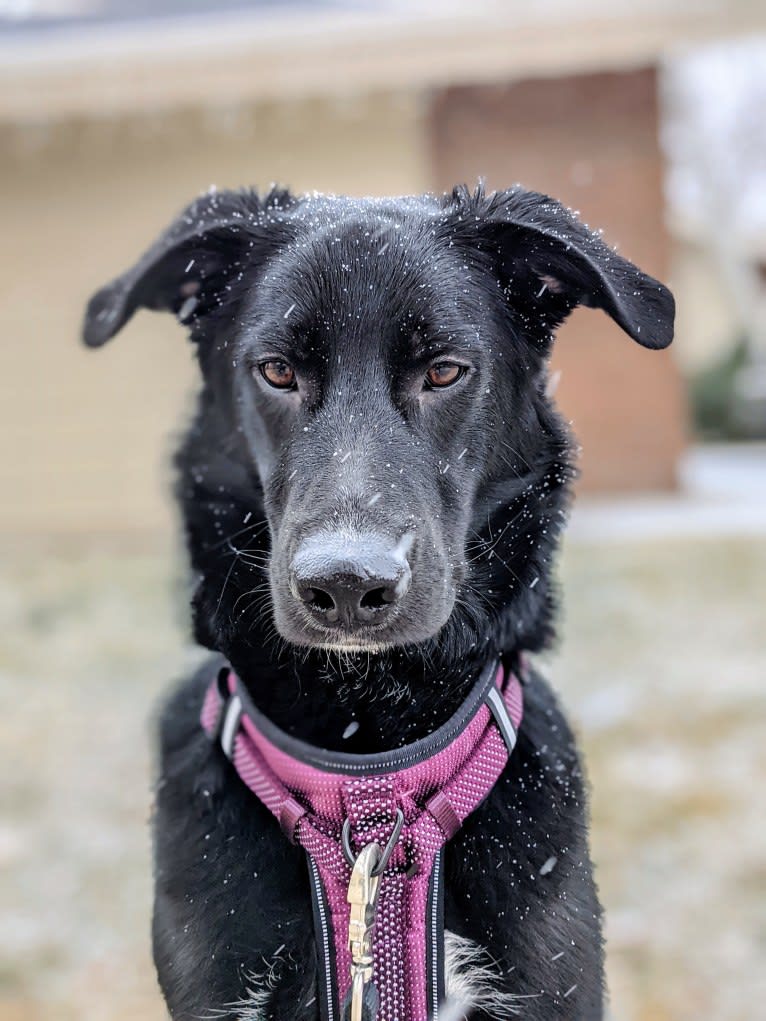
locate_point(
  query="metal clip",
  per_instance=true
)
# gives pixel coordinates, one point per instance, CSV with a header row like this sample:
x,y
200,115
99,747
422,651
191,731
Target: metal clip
x,y
363,897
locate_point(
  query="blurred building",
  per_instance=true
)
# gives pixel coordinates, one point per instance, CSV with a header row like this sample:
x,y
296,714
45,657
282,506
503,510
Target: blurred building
x,y
715,140
113,115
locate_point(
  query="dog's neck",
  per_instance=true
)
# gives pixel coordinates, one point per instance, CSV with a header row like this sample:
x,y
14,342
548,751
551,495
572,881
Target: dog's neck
x,y
358,703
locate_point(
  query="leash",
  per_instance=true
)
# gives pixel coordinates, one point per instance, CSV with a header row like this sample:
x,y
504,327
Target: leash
x,y
374,829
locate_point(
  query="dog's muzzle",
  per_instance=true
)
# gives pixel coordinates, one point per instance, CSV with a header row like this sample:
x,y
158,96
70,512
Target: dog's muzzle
x,y
350,581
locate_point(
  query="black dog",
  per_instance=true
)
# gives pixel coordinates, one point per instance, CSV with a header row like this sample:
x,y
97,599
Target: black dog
x,y
373,489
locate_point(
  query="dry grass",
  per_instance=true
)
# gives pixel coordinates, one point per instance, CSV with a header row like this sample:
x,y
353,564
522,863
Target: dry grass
x,y
662,668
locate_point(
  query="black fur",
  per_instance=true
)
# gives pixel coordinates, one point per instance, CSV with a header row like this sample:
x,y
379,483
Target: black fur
x,y
361,296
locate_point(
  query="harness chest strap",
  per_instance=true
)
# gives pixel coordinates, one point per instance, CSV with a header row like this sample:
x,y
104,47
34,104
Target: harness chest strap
x,y
426,789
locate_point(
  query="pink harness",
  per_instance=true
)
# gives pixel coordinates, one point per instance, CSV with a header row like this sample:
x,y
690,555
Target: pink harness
x,y
409,802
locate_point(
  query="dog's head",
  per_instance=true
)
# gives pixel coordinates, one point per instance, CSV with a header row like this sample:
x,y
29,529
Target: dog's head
x,y
375,377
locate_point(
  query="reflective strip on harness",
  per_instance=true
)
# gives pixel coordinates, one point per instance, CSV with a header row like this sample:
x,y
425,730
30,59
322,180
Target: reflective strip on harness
x,y
232,714
502,718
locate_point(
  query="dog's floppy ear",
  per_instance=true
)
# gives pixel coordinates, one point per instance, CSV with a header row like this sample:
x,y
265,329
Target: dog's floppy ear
x,y
551,262
188,266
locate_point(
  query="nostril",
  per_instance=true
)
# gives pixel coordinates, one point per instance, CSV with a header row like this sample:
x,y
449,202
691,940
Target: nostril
x,y
376,598
318,598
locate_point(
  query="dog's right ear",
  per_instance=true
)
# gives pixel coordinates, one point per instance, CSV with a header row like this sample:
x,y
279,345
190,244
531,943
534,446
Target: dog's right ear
x,y
186,270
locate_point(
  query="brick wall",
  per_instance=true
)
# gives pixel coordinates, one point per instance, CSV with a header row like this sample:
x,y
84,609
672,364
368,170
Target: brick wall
x,y
591,141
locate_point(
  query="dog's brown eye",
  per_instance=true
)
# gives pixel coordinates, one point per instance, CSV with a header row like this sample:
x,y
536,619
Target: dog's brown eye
x,y
443,374
278,374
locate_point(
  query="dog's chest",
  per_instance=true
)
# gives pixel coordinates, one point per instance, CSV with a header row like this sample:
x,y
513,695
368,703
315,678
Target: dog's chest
x,y
234,922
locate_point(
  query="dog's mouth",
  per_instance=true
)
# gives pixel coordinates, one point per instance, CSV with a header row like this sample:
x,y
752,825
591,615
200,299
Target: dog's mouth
x,y
370,640
351,590
419,620
345,637
381,624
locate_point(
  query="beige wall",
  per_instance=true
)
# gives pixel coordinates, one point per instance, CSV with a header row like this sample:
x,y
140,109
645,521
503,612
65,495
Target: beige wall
x,y
85,436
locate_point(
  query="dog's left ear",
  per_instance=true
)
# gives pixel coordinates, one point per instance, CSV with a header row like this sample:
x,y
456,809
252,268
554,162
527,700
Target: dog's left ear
x,y
550,262
187,268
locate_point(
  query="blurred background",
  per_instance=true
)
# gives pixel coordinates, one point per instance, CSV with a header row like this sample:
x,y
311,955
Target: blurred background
x,y
648,119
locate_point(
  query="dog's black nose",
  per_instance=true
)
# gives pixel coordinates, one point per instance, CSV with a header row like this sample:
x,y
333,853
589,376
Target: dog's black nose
x,y
349,581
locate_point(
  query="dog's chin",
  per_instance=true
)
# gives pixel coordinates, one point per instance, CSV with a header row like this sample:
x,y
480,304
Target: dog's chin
x,y
352,648
342,642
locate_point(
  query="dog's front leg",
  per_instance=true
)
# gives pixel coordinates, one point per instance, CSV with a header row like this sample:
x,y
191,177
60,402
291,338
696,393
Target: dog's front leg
x,y
233,927
520,898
